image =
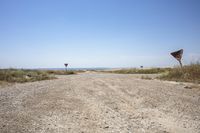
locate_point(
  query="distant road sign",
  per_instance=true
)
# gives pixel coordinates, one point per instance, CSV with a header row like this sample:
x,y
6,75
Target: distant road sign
x,y
66,64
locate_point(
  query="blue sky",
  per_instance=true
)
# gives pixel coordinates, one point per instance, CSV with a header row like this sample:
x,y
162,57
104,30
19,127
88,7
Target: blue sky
x,y
98,33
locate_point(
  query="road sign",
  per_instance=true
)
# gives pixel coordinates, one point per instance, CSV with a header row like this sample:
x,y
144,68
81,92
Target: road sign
x,y
66,64
178,55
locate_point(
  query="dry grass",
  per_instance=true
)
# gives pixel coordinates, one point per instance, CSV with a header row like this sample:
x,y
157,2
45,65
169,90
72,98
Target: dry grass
x,y
21,75
146,77
190,73
60,72
140,71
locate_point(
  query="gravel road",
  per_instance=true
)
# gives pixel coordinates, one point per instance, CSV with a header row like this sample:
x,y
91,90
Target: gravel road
x,y
98,103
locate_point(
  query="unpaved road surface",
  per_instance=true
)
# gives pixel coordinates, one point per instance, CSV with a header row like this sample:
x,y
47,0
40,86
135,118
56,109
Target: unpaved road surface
x,y
98,103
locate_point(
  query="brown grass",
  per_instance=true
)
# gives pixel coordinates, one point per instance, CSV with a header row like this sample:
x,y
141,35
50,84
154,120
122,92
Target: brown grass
x,y
190,73
146,77
140,71
60,72
21,75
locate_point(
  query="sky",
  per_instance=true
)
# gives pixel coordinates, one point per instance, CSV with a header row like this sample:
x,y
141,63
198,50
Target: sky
x,y
98,33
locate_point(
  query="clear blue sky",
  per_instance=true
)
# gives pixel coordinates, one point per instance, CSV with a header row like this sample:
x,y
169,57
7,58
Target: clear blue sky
x,y
98,33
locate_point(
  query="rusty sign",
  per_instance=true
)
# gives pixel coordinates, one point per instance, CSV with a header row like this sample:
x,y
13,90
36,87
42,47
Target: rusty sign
x,y
178,55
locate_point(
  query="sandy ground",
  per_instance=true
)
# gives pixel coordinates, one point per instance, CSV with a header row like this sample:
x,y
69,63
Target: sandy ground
x,y
97,103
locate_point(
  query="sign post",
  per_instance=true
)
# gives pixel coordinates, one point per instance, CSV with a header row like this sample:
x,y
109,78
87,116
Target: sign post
x,y
178,55
66,64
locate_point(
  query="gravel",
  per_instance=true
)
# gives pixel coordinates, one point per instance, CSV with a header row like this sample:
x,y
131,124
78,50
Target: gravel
x,y
96,103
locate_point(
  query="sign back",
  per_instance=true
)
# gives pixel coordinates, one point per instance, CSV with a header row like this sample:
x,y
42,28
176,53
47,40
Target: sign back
x,y
178,54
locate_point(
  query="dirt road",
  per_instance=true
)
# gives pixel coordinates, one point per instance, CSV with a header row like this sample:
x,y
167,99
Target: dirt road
x,y
97,103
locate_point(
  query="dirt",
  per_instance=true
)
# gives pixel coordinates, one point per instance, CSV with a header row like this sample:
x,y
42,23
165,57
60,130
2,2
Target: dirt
x,y
97,103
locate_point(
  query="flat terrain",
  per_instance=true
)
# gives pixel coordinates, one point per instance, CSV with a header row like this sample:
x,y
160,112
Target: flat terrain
x,y
97,103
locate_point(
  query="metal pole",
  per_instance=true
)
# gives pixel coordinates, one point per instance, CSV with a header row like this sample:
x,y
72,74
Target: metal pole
x,y
180,63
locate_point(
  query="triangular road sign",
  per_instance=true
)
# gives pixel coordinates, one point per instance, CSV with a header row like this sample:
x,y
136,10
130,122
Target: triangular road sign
x,y
66,65
177,54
